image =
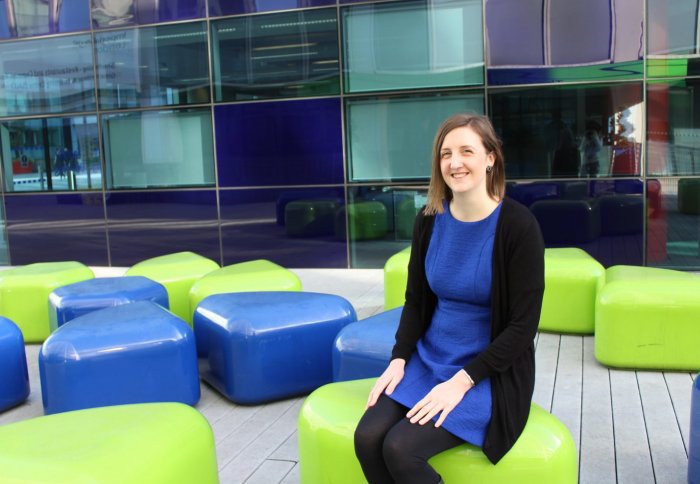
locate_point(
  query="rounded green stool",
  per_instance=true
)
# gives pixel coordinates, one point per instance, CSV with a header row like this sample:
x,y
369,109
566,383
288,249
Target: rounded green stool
x,y
366,221
251,276
647,318
395,279
572,280
168,443
544,453
177,272
24,294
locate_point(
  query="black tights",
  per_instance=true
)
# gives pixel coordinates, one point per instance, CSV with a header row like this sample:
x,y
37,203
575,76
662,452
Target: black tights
x,y
392,449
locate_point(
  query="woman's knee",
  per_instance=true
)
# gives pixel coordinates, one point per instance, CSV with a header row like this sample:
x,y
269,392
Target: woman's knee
x,y
367,436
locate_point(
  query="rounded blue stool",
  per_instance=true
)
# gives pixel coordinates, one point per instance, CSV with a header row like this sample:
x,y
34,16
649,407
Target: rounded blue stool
x,y
133,353
363,349
14,379
694,446
78,299
263,346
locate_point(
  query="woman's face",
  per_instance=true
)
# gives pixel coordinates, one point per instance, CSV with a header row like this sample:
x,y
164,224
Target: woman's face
x,y
463,161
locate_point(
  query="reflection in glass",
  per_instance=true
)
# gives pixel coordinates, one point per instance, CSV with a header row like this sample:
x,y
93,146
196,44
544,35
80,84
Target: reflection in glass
x,y
673,128
413,45
293,227
150,224
673,223
117,13
536,41
380,221
22,18
218,8
47,76
603,217
153,66
4,251
56,227
278,55
673,46
570,131
51,154
391,138
279,143
159,149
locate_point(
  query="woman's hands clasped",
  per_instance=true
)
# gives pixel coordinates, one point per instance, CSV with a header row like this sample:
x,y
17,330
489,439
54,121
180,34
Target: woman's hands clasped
x,y
388,381
443,398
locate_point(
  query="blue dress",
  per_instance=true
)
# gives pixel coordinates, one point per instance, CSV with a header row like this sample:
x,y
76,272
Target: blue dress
x,y
458,268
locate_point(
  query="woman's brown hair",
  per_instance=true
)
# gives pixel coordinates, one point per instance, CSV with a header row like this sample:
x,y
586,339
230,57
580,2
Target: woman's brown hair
x,y
496,181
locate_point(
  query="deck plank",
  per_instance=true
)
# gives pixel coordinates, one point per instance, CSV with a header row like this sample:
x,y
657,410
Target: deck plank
x,y
680,387
597,463
546,358
566,400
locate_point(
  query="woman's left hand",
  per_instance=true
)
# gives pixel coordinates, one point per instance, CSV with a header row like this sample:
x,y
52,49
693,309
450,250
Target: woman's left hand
x,y
443,398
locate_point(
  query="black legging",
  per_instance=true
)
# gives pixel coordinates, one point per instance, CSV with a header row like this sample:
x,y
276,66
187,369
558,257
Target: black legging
x,y
392,449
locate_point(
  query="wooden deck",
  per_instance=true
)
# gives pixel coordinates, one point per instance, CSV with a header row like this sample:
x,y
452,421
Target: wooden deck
x,y
629,426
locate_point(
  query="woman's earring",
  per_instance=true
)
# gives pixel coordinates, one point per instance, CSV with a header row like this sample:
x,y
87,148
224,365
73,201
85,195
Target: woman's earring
x,y
489,169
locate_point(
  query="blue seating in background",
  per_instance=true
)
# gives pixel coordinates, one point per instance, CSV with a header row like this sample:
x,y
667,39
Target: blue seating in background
x,y
263,346
363,349
133,353
14,379
80,298
694,447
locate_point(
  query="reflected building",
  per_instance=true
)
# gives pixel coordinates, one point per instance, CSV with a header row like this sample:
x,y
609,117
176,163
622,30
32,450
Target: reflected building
x,y
300,131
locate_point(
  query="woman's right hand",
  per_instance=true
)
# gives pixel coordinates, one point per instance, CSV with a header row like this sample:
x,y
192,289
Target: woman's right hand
x,y
388,381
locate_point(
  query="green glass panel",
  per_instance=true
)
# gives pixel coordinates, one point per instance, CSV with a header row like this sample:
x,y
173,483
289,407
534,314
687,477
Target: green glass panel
x,y
408,45
159,148
279,55
391,138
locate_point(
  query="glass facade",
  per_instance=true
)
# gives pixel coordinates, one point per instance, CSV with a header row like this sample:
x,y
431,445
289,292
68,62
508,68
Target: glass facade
x,y
300,131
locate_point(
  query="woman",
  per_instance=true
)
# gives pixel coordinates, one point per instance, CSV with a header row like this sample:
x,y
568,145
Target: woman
x,y
463,366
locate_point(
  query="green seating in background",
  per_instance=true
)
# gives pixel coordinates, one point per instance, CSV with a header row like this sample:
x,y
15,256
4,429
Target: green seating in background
x,y
395,279
366,221
310,218
24,294
251,276
572,281
544,453
648,318
177,272
156,443
689,196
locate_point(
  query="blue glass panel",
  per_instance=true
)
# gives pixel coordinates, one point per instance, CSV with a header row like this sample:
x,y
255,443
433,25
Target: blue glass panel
x,y
536,41
603,217
414,44
44,228
673,223
278,55
218,8
570,131
111,13
153,66
673,128
159,148
304,237
22,18
4,251
279,143
51,154
47,76
149,224
392,137
373,240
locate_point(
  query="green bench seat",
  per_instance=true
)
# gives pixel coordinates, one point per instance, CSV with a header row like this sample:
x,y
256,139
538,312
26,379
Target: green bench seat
x,y
395,279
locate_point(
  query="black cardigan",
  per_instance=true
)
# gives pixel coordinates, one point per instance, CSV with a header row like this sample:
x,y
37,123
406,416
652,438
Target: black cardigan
x,y
516,300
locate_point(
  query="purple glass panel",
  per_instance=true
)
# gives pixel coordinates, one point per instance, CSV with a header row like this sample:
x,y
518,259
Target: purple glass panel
x,y
603,217
515,32
45,228
250,228
218,8
108,13
22,18
149,224
279,143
